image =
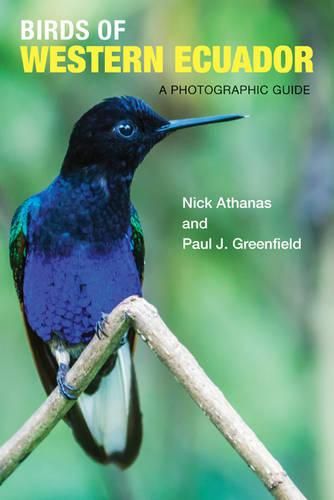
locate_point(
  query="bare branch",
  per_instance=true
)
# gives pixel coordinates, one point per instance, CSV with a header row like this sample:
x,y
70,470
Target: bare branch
x,y
148,324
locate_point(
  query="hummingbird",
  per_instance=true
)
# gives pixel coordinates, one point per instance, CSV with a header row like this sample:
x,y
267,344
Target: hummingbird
x,y
76,251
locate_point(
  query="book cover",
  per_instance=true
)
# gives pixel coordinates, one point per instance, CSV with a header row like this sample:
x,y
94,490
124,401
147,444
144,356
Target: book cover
x,y
180,153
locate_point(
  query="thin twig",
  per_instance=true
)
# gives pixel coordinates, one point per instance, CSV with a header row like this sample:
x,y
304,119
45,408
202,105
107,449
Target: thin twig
x,y
148,324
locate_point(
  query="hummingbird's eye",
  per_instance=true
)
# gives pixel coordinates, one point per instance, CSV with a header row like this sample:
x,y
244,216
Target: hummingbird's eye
x,y
125,129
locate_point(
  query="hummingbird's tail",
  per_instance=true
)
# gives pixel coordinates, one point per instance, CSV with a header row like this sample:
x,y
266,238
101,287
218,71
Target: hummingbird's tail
x,y
112,413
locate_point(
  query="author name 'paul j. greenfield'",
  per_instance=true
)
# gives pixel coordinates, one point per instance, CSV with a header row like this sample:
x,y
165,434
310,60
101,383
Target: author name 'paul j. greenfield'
x,y
241,244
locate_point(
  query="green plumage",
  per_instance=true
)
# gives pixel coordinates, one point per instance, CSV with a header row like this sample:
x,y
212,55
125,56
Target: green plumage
x,y
18,244
138,247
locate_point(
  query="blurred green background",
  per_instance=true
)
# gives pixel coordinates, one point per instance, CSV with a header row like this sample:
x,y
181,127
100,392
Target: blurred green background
x,y
260,323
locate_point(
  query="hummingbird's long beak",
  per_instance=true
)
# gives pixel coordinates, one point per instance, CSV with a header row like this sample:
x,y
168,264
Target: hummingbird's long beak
x,y
194,122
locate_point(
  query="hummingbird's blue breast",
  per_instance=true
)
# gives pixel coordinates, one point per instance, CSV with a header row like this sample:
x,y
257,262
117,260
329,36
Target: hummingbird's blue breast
x,y
80,262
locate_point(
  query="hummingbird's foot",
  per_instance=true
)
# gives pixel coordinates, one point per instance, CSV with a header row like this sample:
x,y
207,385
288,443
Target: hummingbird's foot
x,y
100,329
60,351
67,390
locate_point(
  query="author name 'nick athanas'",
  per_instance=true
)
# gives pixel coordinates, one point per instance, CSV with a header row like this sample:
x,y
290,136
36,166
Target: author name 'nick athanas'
x,y
241,244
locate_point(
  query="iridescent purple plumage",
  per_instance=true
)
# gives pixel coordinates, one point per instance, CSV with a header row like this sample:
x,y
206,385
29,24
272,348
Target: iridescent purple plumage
x,y
67,295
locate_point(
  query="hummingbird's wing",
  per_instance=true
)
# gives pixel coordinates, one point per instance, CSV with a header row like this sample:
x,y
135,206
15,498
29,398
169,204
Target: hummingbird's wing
x,y
137,242
18,242
45,362
18,249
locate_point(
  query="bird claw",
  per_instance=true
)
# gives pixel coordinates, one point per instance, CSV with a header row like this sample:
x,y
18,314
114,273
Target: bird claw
x,y
100,329
67,390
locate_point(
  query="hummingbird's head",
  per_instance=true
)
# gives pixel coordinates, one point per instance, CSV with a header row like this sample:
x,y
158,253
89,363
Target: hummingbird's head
x,y
118,133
